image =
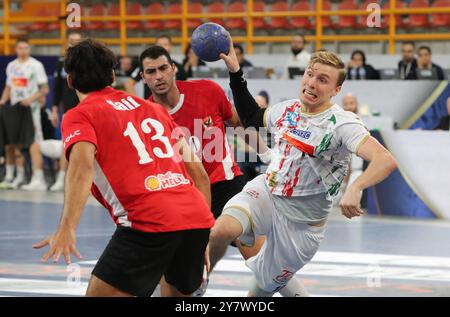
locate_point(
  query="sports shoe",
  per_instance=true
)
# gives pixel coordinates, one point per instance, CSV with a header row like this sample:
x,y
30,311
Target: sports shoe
x,y
16,183
37,185
58,186
6,184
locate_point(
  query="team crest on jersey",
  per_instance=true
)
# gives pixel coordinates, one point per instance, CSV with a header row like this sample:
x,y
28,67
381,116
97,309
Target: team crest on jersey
x,y
284,277
164,181
292,118
207,122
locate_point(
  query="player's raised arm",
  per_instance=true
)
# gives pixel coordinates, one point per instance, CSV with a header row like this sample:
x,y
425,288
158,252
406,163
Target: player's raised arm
x,y
249,112
78,184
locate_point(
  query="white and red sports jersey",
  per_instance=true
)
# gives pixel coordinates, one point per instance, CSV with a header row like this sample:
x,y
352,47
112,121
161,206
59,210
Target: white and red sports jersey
x,y
312,152
139,176
202,109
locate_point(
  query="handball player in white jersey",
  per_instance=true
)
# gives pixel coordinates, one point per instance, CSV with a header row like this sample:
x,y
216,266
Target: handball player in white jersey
x,y
290,204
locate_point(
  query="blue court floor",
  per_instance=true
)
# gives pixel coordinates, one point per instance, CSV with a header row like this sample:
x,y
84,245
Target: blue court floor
x,y
370,256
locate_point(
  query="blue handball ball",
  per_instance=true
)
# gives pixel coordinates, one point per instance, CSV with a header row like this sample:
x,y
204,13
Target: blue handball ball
x,y
209,40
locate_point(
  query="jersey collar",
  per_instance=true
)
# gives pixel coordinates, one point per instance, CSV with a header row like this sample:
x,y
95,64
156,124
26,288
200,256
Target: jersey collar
x,y
178,106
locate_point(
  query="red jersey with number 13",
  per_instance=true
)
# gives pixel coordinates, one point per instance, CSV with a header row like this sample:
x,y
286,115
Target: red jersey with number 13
x,y
139,175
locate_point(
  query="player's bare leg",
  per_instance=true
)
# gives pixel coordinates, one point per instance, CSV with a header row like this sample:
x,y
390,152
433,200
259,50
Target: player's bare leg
x,y
37,180
10,161
248,252
98,288
168,290
225,231
228,229
20,163
59,183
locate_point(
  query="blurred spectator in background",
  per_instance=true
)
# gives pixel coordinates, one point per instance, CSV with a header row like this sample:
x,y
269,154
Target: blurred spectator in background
x,y
124,71
241,57
26,85
444,124
163,41
262,99
191,62
358,69
127,64
252,165
407,65
424,62
64,99
356,166
350,103
300,57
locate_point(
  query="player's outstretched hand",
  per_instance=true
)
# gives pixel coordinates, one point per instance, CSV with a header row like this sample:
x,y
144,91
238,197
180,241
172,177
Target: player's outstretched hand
x,y
62,242
350,202
231,60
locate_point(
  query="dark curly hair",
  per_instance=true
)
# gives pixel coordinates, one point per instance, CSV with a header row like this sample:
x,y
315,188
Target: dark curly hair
x,y
90,65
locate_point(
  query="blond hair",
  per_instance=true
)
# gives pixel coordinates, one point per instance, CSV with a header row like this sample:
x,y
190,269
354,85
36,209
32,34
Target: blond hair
x,y
330,59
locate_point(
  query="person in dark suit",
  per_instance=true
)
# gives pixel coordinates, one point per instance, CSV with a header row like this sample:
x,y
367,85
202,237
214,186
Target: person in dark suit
x,y
358,69
424,62
407,66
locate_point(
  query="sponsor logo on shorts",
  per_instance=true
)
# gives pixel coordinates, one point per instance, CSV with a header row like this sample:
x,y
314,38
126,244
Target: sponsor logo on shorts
x,y
301,133
163,181
284,277
253,193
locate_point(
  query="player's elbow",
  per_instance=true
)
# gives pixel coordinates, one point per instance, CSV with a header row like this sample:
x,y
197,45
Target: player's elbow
x,y
389,161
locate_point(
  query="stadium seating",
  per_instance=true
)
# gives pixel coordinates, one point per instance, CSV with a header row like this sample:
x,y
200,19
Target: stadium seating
x,y
236,23
134,8
259,23
154,9
362,21
440,19
54,12
326,20
39,26
173,24
113,10
95,10
418,20
216,7
346,21
301,22
280,22
399,22
194,7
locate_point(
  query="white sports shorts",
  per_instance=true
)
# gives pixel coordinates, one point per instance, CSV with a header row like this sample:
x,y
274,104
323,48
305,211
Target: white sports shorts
x,y
289,245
